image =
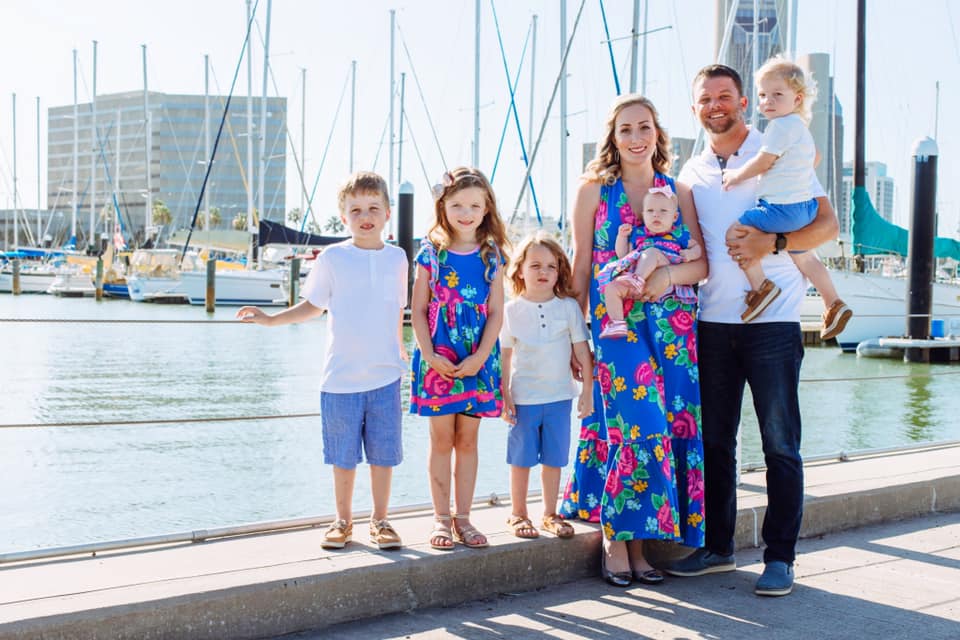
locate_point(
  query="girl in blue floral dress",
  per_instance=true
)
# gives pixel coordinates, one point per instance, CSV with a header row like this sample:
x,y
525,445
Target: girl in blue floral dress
x,y
457,312
639,469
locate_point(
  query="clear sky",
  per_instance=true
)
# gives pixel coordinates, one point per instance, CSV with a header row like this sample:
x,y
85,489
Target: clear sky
x,y
908,50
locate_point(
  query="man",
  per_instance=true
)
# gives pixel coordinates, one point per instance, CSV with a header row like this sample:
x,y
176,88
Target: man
x,y
765,354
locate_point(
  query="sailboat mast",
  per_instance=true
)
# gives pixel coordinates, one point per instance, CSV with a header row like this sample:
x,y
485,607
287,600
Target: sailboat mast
x,y
563,122
147,146
353,107
476,86
76,150
264,161
533,69
643,81
92,240
403,90
303,139
634,43
755,63
39,221
16,222
116,180
249,136
206,135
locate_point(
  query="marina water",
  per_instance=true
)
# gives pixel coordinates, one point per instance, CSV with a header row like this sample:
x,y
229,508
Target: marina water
x,y
75,484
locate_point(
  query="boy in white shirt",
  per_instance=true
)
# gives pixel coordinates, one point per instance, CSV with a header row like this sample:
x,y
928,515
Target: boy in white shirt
x,y
362,283
541,327
785,166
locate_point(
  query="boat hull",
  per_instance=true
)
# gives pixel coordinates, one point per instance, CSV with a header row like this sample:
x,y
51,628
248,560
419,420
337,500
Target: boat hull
x,y
30,281
879,306
264,288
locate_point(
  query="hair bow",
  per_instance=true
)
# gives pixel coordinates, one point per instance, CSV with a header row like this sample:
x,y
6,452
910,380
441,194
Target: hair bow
x,y
663,190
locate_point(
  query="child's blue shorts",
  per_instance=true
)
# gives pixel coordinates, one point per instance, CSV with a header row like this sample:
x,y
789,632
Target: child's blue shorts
x,y
541,435
370,420
780,218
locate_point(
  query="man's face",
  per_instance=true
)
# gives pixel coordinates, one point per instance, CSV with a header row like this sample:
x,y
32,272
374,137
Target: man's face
x,y
717,104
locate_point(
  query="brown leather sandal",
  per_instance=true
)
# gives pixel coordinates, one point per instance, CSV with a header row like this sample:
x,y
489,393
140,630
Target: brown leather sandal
x,y
552,523
467,534
442,532
522,527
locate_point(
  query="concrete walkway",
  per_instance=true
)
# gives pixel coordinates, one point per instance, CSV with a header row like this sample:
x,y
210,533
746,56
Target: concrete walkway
x,y
268,585
892,581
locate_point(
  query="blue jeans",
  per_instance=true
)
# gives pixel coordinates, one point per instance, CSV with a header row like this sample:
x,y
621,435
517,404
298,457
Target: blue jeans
x,y
766,356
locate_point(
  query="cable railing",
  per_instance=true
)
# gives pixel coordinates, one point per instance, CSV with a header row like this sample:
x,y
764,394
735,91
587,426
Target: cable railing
x,y
200,535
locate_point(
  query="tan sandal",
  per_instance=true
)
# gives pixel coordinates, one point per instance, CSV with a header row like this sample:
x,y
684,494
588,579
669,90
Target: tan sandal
x,y
552,523
467,534
441,531
522,527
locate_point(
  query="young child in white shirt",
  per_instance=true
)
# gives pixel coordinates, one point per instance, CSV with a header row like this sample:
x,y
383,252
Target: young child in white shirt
x,y
785,202
541,327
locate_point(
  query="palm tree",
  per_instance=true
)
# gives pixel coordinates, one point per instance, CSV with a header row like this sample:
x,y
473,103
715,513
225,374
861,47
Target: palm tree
x,y
334,225
161,214
295,215
240,221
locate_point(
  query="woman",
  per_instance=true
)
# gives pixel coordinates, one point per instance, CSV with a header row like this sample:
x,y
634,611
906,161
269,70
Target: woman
x,y
639,468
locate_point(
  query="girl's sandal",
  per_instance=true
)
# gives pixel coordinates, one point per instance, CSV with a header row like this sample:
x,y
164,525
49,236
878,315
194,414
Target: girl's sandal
x,y
554,524
467,534
441,537
522,527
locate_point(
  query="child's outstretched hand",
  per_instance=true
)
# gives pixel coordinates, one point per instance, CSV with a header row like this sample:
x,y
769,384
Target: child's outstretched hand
x,y
469,366
252,314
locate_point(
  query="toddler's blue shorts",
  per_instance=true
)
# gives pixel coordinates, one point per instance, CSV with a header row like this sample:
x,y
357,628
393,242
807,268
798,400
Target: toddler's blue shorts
x,y
780,218
541,435
367,420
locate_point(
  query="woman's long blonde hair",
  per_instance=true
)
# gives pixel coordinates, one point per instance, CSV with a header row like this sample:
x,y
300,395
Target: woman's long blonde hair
x,y
491,234
605,166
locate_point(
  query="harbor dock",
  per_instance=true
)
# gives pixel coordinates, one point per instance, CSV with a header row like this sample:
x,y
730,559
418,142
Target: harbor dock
x,y
268,585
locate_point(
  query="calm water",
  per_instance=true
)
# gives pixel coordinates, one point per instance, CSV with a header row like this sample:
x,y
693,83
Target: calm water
x,y
70,485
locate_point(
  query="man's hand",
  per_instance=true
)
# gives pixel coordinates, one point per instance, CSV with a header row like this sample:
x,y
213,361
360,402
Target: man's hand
x,y
747,244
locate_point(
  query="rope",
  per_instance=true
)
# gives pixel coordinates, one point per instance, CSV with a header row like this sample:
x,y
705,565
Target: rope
x,y
546,117
216,142
613,62
121,423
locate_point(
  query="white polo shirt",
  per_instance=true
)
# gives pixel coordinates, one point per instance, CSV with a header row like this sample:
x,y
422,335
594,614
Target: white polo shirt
x,y
364,292
722,293
541,335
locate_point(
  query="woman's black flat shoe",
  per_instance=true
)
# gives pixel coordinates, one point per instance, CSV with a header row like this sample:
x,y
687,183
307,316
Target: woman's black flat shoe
x,y
650,576
622,579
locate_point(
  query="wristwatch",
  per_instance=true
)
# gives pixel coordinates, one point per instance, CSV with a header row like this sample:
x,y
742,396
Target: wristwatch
x,y
781,243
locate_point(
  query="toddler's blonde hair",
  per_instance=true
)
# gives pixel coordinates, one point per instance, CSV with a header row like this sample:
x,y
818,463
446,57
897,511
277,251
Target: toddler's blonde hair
x,y
796,79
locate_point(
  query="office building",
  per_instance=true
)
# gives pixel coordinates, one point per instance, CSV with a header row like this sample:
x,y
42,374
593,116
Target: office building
x,y
177,160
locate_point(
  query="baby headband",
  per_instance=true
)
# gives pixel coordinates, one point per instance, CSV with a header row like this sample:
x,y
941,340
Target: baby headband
x,y
663,190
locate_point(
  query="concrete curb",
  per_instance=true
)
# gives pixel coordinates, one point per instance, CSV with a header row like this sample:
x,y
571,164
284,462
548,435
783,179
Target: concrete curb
x,y
266,600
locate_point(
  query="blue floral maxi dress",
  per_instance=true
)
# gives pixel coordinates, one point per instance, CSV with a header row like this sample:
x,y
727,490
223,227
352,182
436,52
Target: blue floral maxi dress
x,y
639,464
460,287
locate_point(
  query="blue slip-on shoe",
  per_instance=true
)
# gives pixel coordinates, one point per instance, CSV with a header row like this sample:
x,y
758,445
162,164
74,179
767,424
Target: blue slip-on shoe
x,y
777,579
702,562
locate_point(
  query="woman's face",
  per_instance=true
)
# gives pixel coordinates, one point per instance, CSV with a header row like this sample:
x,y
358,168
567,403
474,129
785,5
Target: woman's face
x,y
635,135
